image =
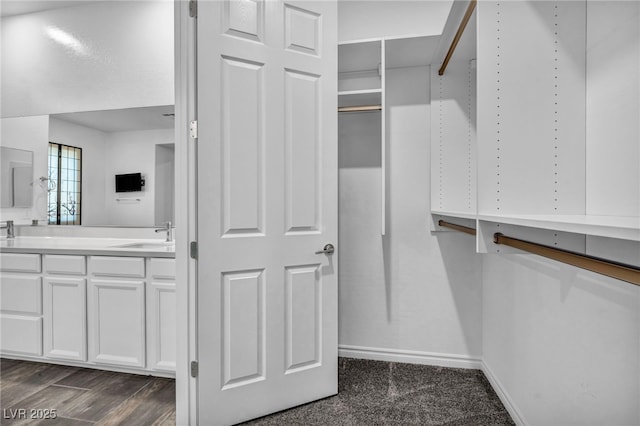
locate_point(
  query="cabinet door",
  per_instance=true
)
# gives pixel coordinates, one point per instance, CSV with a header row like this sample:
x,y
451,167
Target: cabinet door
x,y
20,335
161,325
64,308
116,321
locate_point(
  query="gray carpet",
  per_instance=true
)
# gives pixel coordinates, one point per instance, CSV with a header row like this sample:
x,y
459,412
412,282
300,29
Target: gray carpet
x,y
382,393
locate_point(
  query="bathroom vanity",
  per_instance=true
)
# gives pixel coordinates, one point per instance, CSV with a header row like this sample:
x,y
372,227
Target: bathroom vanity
x,y
94,302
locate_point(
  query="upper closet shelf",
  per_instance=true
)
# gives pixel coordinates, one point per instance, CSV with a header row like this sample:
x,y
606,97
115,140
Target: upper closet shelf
x,y
621,227
462,215
359,92
360,66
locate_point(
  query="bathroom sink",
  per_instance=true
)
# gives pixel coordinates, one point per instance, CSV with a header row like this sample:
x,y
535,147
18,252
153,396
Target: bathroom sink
x,y
147,245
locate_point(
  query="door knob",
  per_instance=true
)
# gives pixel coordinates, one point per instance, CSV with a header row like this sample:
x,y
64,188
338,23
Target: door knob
x,y
327,249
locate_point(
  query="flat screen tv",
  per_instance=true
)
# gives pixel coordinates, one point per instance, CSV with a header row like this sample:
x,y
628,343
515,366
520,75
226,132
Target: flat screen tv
x,y
130,182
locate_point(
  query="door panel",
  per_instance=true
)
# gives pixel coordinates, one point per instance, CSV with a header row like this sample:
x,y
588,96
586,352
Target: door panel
x,y
302,139
267,201
243,327
304,316
244,19
302,30
242,146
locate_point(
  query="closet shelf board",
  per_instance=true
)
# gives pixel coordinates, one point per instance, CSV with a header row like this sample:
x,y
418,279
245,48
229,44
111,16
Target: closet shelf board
x,y
621,227
461,215
359,92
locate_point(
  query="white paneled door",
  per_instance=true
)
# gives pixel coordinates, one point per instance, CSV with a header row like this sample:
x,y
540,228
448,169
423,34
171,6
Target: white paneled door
x,y
267,202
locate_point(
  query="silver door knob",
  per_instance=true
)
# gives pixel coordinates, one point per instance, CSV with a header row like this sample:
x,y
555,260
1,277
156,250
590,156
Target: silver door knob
x,y
327,249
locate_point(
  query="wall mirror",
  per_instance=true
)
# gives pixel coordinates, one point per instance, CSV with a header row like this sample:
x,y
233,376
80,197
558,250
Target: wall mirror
x,y
16,171
97,103
87,150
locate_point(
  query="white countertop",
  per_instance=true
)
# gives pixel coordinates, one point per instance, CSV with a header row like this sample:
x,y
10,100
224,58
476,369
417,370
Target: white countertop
x,y
89,246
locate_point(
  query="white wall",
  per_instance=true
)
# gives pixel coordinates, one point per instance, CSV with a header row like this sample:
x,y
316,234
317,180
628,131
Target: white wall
x,y
563,344
132,152
92,142
410,295
358,19
164,184
31,134
104,55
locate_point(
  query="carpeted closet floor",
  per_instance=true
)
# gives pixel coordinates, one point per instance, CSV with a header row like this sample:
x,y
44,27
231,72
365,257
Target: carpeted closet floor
x,y
385,393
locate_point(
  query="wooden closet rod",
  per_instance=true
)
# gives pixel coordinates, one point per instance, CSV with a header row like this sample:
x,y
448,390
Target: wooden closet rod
x,y
360,108
460,228
628,273
456,39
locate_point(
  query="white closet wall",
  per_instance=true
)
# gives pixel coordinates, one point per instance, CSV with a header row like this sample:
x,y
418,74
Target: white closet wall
x,y
358,19
557,148
410,295
531,109
613,98
453,139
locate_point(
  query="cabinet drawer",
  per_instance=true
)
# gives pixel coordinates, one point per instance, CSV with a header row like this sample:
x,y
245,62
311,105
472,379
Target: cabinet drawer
x,y
21,335
21,293
117,266
63,264
19,262
162,268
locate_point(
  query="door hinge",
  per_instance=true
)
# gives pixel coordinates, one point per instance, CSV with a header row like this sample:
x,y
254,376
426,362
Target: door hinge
x,y
194,368
193,129
193,249
193,8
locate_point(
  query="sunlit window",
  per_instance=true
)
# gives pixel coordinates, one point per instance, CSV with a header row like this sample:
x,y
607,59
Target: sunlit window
x,y
65,184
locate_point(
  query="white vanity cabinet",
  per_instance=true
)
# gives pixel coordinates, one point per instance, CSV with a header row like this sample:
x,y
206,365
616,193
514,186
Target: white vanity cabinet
x,y
161,314
64,307
116,311
21,304
105,311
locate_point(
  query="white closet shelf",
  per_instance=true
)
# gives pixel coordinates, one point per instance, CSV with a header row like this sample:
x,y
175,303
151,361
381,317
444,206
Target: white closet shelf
x,y
359,92
461,215
620,227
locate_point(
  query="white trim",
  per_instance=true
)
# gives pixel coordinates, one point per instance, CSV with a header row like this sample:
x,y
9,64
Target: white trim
x,y
185,111
410,357
509,405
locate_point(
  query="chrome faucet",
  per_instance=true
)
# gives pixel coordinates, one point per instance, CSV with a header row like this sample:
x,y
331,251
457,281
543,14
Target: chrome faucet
x,y
9,228
168,229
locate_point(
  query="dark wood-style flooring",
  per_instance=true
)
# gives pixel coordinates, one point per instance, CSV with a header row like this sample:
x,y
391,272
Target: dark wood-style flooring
x,y
82,396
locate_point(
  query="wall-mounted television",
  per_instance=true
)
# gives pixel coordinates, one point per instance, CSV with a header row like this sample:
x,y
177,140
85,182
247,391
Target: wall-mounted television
x,y
130,182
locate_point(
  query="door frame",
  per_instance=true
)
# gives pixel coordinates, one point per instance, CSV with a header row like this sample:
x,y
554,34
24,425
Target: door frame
x,y
185,211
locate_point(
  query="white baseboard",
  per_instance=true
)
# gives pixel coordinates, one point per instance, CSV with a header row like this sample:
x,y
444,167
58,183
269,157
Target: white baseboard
x,y
502,394
410,357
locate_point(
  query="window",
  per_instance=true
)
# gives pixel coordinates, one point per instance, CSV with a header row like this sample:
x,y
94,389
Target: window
x,y
65,184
